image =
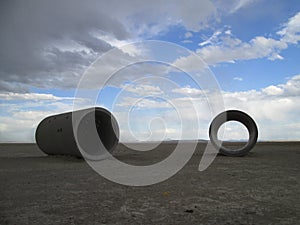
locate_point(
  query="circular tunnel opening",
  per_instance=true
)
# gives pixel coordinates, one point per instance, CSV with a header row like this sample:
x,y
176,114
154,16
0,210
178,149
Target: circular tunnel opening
x,y
241,118
233,134
106,126
97,134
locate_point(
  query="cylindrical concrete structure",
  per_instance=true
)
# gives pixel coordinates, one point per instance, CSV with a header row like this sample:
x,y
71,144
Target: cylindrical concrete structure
x,y
88,133
233,115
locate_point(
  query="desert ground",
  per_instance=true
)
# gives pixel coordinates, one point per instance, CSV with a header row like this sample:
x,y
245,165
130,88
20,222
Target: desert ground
x,y
260,188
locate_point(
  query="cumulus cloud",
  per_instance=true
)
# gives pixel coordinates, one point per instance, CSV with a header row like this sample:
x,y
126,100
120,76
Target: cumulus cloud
x,y
32,35
233,49
188,91
190,63
273,108
150,103
142,89
50,44
290,88
291,30
273,90
223,46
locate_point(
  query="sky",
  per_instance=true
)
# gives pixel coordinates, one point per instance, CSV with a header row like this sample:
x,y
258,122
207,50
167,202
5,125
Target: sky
x,y
246,51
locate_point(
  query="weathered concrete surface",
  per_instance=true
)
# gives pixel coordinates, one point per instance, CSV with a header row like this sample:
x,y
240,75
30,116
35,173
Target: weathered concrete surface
x,y
262,188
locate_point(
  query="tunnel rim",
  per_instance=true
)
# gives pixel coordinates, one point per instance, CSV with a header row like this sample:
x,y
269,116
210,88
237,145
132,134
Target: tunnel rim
x,y
238,116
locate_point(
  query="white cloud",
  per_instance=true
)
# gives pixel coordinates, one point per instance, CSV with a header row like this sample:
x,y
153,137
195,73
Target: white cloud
x,y
20,126
187,41
238,4
42,51
55,54
190,63
30,96
212,39
274,108
188,35
233,49
228,32
137,102
222,46
292,87
291,30
143,89
273,90
188,91
52,53
238,78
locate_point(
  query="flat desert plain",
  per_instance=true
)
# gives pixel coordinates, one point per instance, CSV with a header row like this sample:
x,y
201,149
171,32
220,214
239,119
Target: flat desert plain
x,y
260,188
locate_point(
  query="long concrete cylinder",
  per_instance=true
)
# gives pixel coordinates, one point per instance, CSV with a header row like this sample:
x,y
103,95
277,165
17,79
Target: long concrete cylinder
x,y
90,133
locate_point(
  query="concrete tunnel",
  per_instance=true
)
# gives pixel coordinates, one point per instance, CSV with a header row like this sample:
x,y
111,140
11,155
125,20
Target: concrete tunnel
x,y
88,133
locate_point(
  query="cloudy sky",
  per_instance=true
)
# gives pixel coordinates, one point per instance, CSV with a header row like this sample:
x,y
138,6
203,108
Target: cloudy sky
x,y
251,47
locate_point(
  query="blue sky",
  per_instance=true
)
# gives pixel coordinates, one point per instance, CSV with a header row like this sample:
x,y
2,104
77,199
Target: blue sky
x,y
251,47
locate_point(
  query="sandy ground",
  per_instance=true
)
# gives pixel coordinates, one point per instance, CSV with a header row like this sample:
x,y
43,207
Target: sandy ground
x,y
261,188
